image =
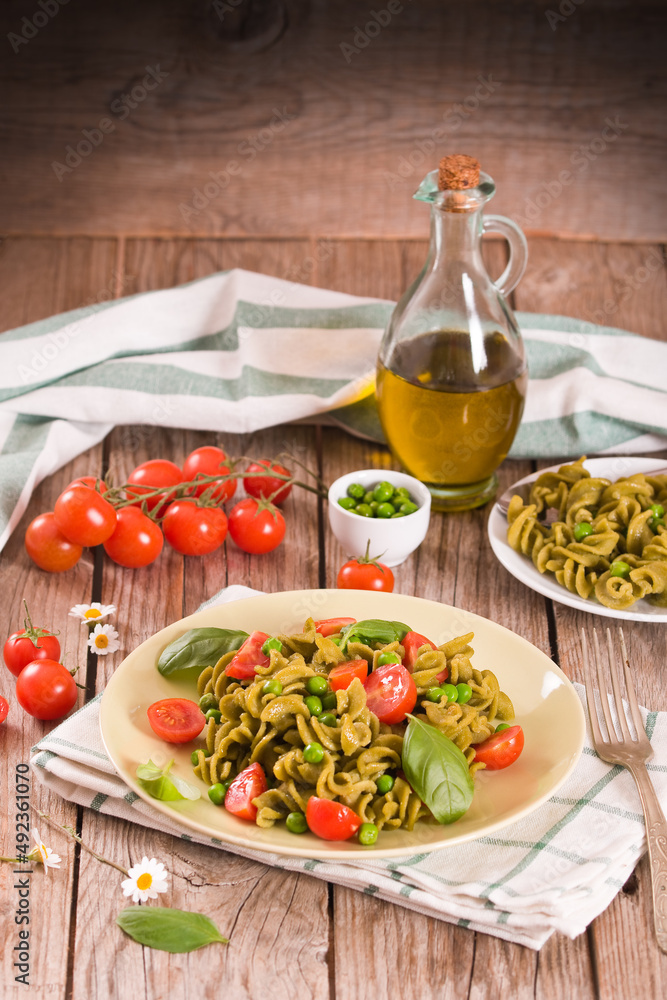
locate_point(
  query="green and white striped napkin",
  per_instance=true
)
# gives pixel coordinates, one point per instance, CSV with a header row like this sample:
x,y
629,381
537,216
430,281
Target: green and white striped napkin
x,y
239,351
555,870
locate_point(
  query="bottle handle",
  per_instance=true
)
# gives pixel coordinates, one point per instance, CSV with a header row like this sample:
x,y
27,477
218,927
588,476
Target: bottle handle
x,y
513,273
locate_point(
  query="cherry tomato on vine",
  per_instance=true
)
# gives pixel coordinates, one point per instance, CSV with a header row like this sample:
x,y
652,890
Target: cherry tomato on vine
x,y
149,476
245,787
84,516
176,720
4,708
331,820
193,530
137,541
47,546
265,486
501,749
46,689
365,573
93,482
390,693
29,644
208,461
256,526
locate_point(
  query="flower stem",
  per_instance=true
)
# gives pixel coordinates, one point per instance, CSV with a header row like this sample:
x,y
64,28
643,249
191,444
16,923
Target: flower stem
x,y
75,836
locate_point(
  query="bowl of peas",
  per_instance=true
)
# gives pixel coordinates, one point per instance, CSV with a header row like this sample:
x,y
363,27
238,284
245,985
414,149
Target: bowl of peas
x,y
390,509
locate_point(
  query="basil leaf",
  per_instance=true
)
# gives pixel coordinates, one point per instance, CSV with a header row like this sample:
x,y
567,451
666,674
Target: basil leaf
x,y
437,770
198,647
162,785
373,630
168,930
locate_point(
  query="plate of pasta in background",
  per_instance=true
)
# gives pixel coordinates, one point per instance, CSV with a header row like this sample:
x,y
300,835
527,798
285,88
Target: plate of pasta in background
x,y
591,535
342,724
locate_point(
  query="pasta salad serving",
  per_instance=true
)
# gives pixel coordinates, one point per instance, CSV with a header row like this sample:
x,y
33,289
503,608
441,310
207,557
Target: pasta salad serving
x,y
344,729
609,539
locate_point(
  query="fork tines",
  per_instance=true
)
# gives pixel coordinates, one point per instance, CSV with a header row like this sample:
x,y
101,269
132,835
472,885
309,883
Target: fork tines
x,y
612,660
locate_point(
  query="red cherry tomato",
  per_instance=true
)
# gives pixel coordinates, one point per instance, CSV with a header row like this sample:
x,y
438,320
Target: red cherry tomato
x,y
342,675
84,516
193,530
501,749
245,787
46,689
137,541
362,574
266,486
93,482
411,643
331,820
329,626
249,657
176,720
20,650
4,708
390,693
255,526
149,476
47,546
208,461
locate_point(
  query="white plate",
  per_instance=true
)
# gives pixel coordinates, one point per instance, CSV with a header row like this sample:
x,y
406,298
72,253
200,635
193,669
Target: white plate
x,y
522,567
546,705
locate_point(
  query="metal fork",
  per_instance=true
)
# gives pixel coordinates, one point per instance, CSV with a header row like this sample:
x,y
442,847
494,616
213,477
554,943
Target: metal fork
x,y
632,754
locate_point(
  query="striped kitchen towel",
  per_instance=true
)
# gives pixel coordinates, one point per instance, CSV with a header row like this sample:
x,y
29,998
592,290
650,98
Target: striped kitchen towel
x,y
239,351
555,870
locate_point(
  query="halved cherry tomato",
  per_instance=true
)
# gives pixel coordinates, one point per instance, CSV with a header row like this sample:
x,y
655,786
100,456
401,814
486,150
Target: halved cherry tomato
x,y
47,546
84,516
149,476
329,626
412,643
46,690
501,749
193,530
265,486
176,720
331,820
342,676
245,787
390,693
20,650
4,708
137,541
94,482
256,526
249,657
209,461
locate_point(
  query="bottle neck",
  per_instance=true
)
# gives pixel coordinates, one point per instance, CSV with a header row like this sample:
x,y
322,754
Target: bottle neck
x,y
455,238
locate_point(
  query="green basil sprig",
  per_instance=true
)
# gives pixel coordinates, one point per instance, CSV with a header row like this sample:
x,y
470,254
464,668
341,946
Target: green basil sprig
x,y
437,771
373,630
169,930
198,647
162,785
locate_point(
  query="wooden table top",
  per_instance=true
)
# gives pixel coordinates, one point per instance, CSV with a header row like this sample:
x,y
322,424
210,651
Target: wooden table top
x,y
290,934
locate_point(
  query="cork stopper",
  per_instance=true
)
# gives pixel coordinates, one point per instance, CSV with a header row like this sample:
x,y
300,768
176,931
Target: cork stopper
x,y
458,172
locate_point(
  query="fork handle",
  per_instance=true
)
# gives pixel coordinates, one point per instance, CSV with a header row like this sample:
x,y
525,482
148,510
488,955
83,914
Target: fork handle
x,y
656,836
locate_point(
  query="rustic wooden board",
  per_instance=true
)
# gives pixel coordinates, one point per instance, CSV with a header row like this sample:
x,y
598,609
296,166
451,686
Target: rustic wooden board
x,y
362,114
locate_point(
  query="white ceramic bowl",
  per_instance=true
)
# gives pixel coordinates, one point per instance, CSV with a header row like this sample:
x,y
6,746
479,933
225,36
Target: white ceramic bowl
x,y
393,538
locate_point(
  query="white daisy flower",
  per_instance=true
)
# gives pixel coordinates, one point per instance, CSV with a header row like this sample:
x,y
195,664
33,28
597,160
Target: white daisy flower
x,y
103,639
145,880
91,613
45,854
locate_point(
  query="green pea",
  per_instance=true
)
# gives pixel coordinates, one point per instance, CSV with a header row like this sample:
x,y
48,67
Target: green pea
x,y
385,658
383,491
452,692
385,510
384,784
272,686
399,513
327,719
368,834
270,644
336,638
397,501
194,757
364,509
619,568
502,727
368,496
208,701
403,491
213,713
347,503
329,701
314,705
317,685
657,510
465,693
356,490
374,507
313,753
435,694
582,530
656,522
216,793
296,822
408,507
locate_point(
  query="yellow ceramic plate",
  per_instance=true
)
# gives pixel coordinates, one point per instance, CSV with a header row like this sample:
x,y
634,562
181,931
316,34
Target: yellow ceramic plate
x,y
545,702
